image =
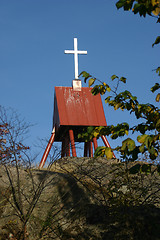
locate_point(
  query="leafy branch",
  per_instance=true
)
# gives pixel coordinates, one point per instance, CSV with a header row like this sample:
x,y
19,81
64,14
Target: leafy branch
x,y
141,7
148,130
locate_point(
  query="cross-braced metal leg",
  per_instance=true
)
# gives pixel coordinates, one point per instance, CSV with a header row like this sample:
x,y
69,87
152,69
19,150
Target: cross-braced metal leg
x,y
106,143
95,143
47,150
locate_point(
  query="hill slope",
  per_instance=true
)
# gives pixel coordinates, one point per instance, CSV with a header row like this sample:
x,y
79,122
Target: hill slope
x,y
80,198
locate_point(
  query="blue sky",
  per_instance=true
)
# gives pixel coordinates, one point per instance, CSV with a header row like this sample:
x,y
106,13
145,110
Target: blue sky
x,y
34,35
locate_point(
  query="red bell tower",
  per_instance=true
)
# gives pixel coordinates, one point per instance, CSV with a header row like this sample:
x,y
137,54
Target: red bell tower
x,y
75,108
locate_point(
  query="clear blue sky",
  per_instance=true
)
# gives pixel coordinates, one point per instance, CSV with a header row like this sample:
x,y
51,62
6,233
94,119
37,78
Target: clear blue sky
x,y
34,35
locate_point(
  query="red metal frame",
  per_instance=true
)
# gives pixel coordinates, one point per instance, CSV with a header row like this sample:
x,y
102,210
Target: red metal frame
x,y
88,146
107,143
65,147
48,148
74,110
77,108
90,149
95,143
71,135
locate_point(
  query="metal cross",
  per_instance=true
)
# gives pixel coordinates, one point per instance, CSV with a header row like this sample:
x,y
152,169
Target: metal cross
x,y
75,52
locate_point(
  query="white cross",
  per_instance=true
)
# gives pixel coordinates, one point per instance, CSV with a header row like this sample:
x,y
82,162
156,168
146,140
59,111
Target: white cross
x,y
75,52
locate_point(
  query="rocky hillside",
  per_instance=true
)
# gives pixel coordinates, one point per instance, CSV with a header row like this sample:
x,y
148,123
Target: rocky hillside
x,y
81,199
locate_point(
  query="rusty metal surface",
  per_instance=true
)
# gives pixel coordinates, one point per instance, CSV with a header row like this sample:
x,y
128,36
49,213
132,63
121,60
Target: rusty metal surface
x,y
77,108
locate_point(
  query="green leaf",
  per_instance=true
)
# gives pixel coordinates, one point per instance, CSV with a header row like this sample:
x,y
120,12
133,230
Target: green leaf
x,y
123,79
105,85
95,134
126,132
158,97
95,90
141,148
158,125
102,89
158,71
85,75
136,8
152,151
152,156
157,41
129,144
107,99
114,136
113,77
126,4
79,135
134,98
99,151
142,138
108,89
108,153
155,87
120,4
91,81
148,142
90,129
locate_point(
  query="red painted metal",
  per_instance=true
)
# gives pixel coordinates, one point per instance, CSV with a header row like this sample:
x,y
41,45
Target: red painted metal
x,y
47,150
71,135
95,143
90,149
106,143
73,110
65,147
68,153
77,108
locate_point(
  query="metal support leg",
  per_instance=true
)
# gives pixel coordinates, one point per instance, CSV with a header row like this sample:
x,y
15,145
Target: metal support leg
x,y
47,150
71,136
95,143
65,147
106,143
85,149
90,149
68,154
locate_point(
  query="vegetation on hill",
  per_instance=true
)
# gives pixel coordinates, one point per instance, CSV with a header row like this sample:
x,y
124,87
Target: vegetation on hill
x,y
82,198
